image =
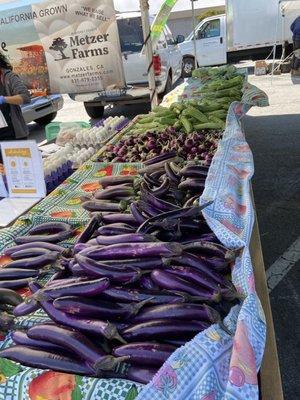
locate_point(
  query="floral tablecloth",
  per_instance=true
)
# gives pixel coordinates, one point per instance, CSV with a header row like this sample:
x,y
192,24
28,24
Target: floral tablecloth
x,y
214,365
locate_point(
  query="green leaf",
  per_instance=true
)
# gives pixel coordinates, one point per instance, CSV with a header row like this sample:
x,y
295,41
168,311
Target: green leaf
x,y
132,393
8,368
76,394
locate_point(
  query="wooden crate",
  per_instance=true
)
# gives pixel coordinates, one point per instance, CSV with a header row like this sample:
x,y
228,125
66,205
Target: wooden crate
x,y
270,378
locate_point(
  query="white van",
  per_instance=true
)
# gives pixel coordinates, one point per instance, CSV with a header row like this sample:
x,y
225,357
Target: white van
x,y
247,31
167,62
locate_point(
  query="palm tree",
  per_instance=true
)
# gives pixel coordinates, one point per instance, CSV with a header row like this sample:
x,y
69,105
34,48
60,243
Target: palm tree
x,y
59,45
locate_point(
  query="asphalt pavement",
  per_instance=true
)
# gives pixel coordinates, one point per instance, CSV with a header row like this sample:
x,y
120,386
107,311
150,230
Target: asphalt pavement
x,y
274,137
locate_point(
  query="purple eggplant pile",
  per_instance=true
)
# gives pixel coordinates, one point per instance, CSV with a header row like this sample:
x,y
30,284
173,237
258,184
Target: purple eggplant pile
x,y
34,254
141,281
198,146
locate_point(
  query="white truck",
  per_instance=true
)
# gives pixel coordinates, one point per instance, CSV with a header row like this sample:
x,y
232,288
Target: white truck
x,y
167,62
248,30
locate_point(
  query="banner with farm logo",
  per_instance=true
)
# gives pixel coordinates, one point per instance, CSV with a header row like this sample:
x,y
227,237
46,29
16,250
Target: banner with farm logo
x,y
64,46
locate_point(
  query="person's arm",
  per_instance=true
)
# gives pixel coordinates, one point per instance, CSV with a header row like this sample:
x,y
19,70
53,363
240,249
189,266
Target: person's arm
x,y
16,100
18,91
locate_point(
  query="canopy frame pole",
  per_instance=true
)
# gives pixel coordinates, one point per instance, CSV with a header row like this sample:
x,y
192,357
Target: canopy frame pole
x,y
144,6
194,32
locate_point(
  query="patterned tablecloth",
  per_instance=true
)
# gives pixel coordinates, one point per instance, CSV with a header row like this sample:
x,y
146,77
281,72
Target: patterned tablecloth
x,y
214,365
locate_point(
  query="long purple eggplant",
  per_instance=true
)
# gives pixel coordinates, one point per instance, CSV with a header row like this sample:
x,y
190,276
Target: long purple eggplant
x,y
29,253
145,353
97,308
163,329
134,250
84,288
147,283
81,246
27,246
127,371
19,273
166,280
161,157
163,188
116,180
8,296
118,275
191,260
137,213
172,175
116,191
190,212
125,238
28,306
193,275
141,263
45,360
21,338
77,343
123,218
184,311
88,231
92,326
104,205
162,205
192,184
115,229
214,249
34,262
53,238
49,228
122,295
194,171
15,283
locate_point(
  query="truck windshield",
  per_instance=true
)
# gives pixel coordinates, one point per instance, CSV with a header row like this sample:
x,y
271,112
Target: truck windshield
x,y
131,34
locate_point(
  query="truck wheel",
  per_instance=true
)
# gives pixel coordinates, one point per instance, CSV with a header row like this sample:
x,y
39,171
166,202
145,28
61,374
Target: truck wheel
x,y
188,65
46,119
94,111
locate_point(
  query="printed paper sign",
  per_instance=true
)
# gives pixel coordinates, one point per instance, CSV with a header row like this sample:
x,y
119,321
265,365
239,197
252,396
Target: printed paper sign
x,y
64,46
23,169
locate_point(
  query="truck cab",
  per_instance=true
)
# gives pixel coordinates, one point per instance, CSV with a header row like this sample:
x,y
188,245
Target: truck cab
x,y
211,46
167,61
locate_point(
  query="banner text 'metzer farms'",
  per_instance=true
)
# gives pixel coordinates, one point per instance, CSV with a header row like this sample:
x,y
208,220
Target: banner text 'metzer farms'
x,y
31,15
76,41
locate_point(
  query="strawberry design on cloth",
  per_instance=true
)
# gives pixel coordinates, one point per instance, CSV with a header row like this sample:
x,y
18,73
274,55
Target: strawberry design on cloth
x,y
242,364
52,386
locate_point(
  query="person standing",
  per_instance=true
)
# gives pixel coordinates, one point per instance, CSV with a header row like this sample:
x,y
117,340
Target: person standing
x,y
295,28
13,93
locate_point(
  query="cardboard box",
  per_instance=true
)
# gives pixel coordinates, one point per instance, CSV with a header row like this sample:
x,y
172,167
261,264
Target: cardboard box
x,y
261,67
270,378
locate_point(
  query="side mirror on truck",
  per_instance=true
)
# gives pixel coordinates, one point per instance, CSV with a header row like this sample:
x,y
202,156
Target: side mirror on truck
x,y
180,39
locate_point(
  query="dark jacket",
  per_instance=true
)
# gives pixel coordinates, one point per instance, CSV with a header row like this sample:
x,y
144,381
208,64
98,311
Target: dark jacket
x,y
295,28
13,86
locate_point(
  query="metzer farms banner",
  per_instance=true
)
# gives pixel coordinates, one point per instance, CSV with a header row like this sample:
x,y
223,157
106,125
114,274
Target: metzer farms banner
x,y
64,46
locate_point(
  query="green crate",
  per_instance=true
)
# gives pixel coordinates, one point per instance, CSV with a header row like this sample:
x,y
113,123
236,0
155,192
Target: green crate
x,y
52,129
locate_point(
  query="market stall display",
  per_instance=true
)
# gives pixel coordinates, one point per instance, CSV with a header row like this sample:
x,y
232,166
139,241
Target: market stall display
x,y
173,259
147,261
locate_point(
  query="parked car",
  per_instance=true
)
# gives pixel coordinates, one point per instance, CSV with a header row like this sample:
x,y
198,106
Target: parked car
x,y
42,110
167,62
247,31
